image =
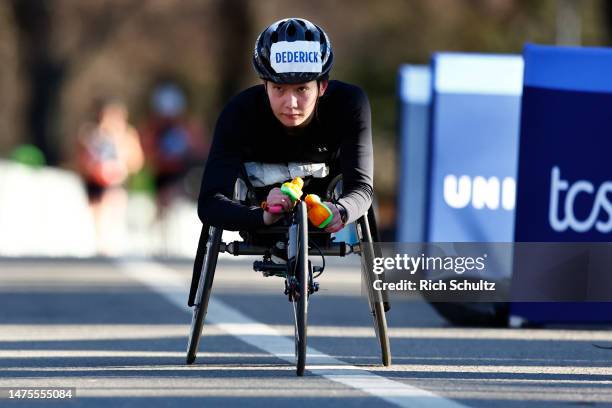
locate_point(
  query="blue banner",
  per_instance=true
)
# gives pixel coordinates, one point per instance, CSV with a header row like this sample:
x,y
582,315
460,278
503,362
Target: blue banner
x,y
414,90
564,172
564,175
474,142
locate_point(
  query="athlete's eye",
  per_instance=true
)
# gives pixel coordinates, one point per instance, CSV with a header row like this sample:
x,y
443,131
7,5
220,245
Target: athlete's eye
x,y
302,89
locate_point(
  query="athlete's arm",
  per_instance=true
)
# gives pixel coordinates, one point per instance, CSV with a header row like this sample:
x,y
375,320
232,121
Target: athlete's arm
x,y
357,159
223,166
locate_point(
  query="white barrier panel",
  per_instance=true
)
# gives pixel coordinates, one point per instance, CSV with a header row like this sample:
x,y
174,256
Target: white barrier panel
x,y
43,212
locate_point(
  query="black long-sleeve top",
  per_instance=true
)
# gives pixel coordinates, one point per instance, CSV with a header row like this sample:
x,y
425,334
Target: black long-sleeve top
x,y
340,135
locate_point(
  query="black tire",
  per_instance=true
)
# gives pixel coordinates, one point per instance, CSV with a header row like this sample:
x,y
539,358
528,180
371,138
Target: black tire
x,y
372,215
202,297
300,301
375,298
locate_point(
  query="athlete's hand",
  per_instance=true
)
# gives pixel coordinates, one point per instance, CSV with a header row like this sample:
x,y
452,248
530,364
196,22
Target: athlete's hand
x,y
276,199
336,223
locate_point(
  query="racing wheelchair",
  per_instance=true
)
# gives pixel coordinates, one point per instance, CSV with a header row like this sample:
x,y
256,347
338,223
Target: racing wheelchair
x,y
285,250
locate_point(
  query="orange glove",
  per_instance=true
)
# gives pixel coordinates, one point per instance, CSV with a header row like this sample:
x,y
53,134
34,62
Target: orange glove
x,y
323,214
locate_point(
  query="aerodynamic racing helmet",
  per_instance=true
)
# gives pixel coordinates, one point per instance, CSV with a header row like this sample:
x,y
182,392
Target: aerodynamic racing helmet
x,y
293,51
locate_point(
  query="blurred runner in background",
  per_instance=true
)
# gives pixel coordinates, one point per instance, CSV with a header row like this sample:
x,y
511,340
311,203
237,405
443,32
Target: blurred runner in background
x,y
173,145
108,152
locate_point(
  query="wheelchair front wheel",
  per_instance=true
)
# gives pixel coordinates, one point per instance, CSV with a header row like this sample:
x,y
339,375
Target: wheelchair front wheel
x,y
203,294
299,280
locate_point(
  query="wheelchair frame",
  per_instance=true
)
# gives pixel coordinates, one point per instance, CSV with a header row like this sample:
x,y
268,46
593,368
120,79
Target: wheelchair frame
x,y
298,273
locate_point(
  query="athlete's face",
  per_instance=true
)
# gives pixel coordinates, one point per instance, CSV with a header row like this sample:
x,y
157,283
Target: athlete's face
x,y
294,105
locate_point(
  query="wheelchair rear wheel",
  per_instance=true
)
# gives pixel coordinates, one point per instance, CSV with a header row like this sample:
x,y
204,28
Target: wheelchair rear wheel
x,y
375,298
200,307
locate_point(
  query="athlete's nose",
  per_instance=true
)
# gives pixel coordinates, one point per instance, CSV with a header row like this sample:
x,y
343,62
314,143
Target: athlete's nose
x,y
293,101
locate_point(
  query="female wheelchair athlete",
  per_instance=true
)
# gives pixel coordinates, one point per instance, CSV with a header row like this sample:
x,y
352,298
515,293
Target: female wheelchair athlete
x,y
291,243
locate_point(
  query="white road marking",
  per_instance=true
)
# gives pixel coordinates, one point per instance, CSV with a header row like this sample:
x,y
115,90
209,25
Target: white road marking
x,y
49,354
51,332
173,287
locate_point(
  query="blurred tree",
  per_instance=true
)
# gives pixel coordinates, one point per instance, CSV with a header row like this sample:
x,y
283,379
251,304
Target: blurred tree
x,y
45,67
569,18
10,84
45,73
235,35
607,12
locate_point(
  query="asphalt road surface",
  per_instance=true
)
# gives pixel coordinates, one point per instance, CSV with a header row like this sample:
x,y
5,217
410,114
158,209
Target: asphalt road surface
x,y
116,332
